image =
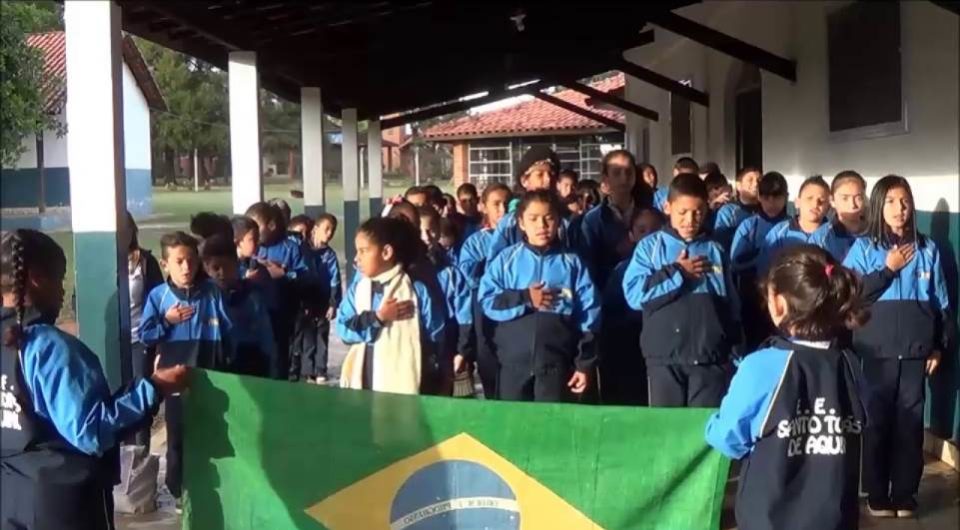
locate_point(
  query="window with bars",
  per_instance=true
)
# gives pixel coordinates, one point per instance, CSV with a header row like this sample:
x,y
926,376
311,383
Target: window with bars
x,y
491,163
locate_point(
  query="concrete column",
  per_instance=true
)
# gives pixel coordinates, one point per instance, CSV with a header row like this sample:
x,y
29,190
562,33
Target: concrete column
x,y
351,185
311,127
245,159
97,184
375,167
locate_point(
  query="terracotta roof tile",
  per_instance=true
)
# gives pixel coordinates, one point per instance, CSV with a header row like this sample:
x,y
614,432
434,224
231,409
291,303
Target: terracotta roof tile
x,y
530,117
53,88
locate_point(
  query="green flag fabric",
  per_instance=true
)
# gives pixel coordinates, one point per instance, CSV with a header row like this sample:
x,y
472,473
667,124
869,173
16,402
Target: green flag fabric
x,y
262,454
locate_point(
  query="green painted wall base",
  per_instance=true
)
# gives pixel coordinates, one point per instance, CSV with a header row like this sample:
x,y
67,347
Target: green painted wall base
x,y
313,210
103,320
351,222
376,206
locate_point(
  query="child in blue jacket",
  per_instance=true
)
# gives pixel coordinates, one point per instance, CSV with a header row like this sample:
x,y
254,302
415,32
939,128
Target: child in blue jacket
x,y
807,226
186,320
728,217
910,326
472,263
847,196
748,241
793,413
381,304
546,307
62,425
679,278
282,259
251,337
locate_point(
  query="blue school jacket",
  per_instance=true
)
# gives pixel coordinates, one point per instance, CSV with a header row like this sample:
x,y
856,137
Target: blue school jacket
x,y
910,312
793,412
354,327
727,219
458,301
784,235
473,256
325,275
660,196
200,341
548,340
288,253
836,240
748,241
686,321
251,333
601,234
508,233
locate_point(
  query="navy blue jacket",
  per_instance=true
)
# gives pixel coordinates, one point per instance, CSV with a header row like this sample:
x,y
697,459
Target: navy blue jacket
x,y
251,334
200,341
288,253
324,277
749,239
794,413
686,321
910,314
541,340
602,235
784,235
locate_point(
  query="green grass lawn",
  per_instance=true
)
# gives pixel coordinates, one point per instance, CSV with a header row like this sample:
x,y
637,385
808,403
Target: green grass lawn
x,y
172,211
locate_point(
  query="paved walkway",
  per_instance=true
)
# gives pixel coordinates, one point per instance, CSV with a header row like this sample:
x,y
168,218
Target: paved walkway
x,y
939,492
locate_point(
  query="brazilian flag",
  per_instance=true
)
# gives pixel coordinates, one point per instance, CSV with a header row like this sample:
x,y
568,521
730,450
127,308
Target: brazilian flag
x,y
271,455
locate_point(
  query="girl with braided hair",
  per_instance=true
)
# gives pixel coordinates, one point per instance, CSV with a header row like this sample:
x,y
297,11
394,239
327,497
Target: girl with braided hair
x,y
60,423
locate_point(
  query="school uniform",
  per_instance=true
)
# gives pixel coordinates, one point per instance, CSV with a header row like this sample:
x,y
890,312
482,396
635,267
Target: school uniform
x,y
282,302
660,196
143,277
57,472
793,414
691,326
603,231
201,341
355,326
786,234
539,350
748,241
472,263
727,219
251,344
910,319
322,292
459,337
836,240
623,374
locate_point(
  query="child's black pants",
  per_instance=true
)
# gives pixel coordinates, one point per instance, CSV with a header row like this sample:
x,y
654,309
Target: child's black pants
x,y
173,415
487,364
518,384
312,339
893,440
687,385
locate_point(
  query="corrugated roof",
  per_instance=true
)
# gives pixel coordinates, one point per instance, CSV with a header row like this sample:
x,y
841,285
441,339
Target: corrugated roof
x,y
531,118
53,87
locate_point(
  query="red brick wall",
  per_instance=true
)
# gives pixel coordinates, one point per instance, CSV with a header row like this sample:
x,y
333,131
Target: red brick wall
x,y
461,165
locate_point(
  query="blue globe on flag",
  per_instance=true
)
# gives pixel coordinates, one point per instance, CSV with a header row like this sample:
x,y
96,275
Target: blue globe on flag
x,y
455,495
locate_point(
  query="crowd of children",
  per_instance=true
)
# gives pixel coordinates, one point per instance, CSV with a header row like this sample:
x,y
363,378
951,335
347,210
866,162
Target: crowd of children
x,y
626,291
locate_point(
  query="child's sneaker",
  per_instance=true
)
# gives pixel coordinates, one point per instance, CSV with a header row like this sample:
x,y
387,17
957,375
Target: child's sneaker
x,y
178,507
321,380
907,509
880,508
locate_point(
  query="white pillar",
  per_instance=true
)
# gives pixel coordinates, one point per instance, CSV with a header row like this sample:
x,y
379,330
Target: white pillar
x,y
311,127
351,184
97,179
375,166
416,165
245,160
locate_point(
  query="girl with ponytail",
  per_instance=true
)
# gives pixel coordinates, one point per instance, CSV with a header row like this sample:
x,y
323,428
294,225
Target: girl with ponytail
x,y
912,324
61,425
793,411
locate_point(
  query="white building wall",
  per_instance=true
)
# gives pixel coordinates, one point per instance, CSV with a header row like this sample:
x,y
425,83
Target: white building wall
x,y
795,118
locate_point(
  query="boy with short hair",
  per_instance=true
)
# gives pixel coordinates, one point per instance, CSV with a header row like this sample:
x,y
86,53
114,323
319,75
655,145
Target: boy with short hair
x,y
567,185
185,319
684,164
417,196
322,308
251,342
679,278
729,215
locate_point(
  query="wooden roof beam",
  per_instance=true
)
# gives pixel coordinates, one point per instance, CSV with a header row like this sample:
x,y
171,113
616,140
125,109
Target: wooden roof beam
x,y
455,106
576,109
722,42
611,99
661,81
